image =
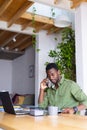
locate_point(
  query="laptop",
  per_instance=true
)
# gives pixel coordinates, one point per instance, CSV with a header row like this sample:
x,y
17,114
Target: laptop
x,y
8,105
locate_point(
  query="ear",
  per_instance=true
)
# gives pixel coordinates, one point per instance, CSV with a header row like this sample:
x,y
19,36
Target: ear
x,y
59,73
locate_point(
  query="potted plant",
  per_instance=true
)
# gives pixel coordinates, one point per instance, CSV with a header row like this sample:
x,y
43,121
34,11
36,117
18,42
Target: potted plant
x,y
64,54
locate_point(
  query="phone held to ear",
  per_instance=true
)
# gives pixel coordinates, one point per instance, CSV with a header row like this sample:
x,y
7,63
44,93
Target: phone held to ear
x,y
49,83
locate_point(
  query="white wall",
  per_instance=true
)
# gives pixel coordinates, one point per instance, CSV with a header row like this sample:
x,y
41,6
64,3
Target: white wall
x,y
81,45
44,43
14,75
6,75
21,83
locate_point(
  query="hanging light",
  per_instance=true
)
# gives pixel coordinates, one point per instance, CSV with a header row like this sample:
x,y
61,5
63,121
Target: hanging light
x,y
62,21
14,39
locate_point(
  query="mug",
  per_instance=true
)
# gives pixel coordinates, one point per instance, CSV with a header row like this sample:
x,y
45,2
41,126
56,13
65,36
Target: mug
x,y
52,110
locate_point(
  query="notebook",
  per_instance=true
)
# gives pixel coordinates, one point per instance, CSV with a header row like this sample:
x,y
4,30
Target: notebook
x,y
8,105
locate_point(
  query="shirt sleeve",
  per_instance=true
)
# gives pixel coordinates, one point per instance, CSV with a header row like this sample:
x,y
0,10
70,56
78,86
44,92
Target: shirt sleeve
x,y
78,94
44,104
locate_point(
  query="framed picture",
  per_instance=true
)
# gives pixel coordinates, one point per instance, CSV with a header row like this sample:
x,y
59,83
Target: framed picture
x,y
31,71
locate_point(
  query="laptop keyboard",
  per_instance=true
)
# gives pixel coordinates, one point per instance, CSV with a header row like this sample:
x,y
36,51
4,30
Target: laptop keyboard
x,y
22,111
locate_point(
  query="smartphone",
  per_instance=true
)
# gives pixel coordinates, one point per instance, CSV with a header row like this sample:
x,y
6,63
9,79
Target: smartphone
x,y
49,83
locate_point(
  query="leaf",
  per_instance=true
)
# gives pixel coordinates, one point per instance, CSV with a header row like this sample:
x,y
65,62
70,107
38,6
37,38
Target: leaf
x,y
64,54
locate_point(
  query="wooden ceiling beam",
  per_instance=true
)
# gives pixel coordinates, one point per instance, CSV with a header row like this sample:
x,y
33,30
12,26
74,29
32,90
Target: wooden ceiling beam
x,y
26,45
55,1
19,43
24,26
40,27
4,6
22,9
47,27
53,30
76,3
9,39
58,29
38,18
43,27
2,33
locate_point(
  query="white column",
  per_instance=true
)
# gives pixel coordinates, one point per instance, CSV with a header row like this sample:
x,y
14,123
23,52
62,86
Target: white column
x,y
81,45
44,43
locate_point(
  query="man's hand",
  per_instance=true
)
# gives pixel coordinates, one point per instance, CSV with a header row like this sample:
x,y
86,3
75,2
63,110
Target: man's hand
x,y
71,110
43,84
68,111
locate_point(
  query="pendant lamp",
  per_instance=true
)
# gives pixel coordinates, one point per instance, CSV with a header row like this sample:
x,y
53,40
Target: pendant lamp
x,y
62,21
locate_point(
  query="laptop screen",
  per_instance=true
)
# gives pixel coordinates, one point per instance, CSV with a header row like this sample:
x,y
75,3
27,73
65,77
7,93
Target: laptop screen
x,y
7,102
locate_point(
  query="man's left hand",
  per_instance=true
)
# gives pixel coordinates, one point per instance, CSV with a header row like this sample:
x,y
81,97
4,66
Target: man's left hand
x,y
68,111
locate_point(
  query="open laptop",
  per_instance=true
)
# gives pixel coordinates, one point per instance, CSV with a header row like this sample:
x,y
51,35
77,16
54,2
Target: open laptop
x,y
8,105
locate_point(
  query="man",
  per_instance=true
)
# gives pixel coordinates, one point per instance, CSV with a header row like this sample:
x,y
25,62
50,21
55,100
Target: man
x,y
65,94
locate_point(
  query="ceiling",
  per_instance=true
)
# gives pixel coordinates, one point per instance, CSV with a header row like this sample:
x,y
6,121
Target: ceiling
x,y
13,44
14,12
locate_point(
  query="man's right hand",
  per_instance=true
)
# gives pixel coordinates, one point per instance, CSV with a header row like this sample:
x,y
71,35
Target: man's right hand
x,y
43,84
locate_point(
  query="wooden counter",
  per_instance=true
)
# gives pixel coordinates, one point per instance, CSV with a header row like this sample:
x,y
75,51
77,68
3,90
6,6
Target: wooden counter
x,y
26,122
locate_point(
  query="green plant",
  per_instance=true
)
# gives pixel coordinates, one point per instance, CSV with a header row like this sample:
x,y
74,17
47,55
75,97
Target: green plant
x,y
52,13
64,54
34,31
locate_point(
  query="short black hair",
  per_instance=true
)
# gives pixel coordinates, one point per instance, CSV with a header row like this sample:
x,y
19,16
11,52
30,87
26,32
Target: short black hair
x,y
51,65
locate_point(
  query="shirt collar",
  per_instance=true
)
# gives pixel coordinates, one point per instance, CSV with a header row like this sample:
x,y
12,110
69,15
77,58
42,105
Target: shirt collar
x,y
53,86
62,79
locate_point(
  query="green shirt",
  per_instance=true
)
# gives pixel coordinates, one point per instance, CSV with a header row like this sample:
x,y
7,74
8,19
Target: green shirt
x,y
68,94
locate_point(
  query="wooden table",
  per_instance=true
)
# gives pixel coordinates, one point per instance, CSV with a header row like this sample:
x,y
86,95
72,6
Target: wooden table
x,y
26,122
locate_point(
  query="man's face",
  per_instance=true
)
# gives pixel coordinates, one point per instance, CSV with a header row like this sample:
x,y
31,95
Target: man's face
x,y
53,75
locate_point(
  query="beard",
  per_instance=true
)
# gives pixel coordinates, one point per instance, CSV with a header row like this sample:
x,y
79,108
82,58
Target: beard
x,y
55,81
